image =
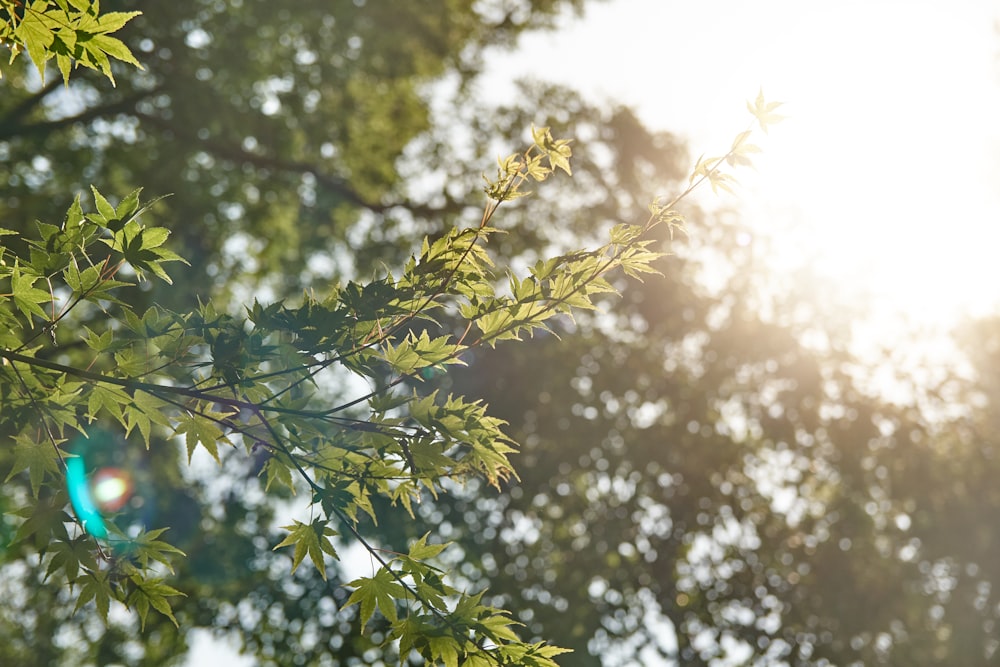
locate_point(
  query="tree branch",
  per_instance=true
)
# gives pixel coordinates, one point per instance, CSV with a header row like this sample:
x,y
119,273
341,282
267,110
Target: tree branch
x,y
24,107
332,182
10,130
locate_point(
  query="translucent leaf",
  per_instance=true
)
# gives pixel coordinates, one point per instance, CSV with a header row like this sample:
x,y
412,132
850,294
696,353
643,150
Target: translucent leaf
x,y
380,591
38,458
203,429
420,550
311,539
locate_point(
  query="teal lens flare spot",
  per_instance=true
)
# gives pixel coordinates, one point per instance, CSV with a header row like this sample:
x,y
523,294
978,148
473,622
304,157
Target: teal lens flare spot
x,y
100,482
82,500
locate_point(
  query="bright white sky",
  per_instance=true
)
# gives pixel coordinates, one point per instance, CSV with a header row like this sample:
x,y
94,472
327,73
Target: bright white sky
x,y
885,177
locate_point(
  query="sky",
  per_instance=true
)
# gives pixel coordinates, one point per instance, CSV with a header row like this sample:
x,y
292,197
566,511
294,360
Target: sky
x,y
884,178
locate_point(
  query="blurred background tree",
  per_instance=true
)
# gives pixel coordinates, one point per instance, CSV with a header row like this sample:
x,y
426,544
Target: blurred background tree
x,y
700,482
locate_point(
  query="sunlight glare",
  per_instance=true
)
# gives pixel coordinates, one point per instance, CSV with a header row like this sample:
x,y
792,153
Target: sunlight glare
x,y
883,180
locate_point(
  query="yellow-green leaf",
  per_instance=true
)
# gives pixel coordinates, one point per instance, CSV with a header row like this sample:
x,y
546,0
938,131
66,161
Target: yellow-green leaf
x,y
380,591
312,539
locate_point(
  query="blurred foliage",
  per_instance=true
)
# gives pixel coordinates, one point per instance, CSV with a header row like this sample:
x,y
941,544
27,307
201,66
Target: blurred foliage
x,y
275,123
73,33
697,480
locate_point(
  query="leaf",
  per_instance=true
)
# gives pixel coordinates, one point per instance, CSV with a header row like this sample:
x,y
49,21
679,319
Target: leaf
x,y
82,5
201,428
104,208
146,547
145,410
420,550
153,237
110,399
547,651
128,206
492,461
763,111
26,297
444,649
46,520
38,458
428,457
497,628
700,168
312,539
68,556
416,352
113,21
151,593
37,37
95,587
275,469
380,591
638,261
740,138
558,151
65,67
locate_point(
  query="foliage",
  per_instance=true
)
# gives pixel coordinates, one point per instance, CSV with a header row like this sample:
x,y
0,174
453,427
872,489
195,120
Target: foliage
x,y
74,32
216,379
701,472
278,126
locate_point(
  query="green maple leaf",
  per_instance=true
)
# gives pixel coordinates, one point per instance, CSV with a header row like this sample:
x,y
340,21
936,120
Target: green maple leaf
x,y
312,539
445,648
380,591
38,458
420,550
147,547
69,556
200,427
45,521
151,593
146,410
95,587
26,297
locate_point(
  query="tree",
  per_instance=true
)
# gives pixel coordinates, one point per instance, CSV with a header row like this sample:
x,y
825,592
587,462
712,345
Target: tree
x,y
702,484
287,147
255,384
689,467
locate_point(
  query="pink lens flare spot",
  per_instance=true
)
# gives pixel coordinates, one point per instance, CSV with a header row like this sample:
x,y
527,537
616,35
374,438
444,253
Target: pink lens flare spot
x,y
111,488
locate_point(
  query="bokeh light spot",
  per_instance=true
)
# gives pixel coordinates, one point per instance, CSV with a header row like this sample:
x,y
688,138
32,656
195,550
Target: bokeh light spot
x,y
111,488
104,483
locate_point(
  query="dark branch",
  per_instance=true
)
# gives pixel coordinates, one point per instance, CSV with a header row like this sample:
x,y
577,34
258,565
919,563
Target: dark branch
x,y
126,104
25,106
337,184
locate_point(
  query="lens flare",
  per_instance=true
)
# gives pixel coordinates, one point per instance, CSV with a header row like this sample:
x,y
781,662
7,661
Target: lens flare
x,y
101,483
81,499
111,488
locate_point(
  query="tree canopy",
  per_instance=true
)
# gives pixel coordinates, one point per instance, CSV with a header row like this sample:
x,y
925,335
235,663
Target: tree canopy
x,y
536,451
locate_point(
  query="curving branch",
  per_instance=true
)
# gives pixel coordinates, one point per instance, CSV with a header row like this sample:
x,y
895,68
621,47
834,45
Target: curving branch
x,y
25,106
10,127
332,182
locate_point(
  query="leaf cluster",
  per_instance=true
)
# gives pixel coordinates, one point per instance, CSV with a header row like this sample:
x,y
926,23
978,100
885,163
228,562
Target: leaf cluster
x,y
709,168
211,378
252,383
73,32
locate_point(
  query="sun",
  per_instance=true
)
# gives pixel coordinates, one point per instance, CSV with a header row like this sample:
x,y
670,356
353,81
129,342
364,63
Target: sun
x,y
891,202
885,178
